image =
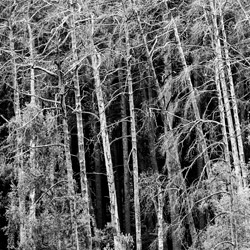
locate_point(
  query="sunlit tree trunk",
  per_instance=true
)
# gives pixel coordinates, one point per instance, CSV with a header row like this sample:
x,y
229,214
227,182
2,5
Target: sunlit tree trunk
x,y
134,145
234,102
68,163
80,135
222,116
32,192
219,64
160,219
96,63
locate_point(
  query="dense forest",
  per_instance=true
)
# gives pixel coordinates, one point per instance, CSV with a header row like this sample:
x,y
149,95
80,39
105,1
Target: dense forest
x,y
124,124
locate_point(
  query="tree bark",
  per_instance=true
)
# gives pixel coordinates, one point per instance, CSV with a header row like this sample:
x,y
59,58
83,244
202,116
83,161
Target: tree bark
x,y
234,103
96,63
68,163
125,154
134,145
160,219
80,136
19,160
32,192
219,64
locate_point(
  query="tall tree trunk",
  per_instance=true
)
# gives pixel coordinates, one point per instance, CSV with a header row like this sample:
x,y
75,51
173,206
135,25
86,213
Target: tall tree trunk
x,y
96,63
98,186
222,116
19,153
219,64
32,208
125,154
68,163
160,219
234,102
32,64
134,145
80,135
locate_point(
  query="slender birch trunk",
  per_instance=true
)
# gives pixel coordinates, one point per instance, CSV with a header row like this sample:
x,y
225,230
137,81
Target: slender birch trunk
x,y
96,63
32,64
222,116
68,163
134,145
32,208
219,64
160,219
80,135
234,102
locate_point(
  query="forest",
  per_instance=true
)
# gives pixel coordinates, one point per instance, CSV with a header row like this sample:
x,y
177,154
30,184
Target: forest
x,y
124,124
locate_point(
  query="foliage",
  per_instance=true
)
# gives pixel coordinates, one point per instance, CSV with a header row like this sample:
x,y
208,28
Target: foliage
x,y
230,225
105,239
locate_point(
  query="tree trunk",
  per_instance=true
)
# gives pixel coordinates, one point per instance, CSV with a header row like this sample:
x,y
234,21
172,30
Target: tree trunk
x,y
222,116
32,208
98,186
234,103
96,63
80,136
19,160
134,145
219,64
68,163
125,158
32,64
160,219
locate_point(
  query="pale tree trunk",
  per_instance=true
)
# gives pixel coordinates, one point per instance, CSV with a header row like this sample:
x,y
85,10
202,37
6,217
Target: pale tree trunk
x,y
134,145
203,144
234,103
32,71
96,63
20,170
160,219
80,137
219,64
32,208
222,116
68,163
125,158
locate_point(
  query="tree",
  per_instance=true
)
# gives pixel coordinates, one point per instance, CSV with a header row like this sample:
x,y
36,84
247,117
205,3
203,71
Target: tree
x,y
80,135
